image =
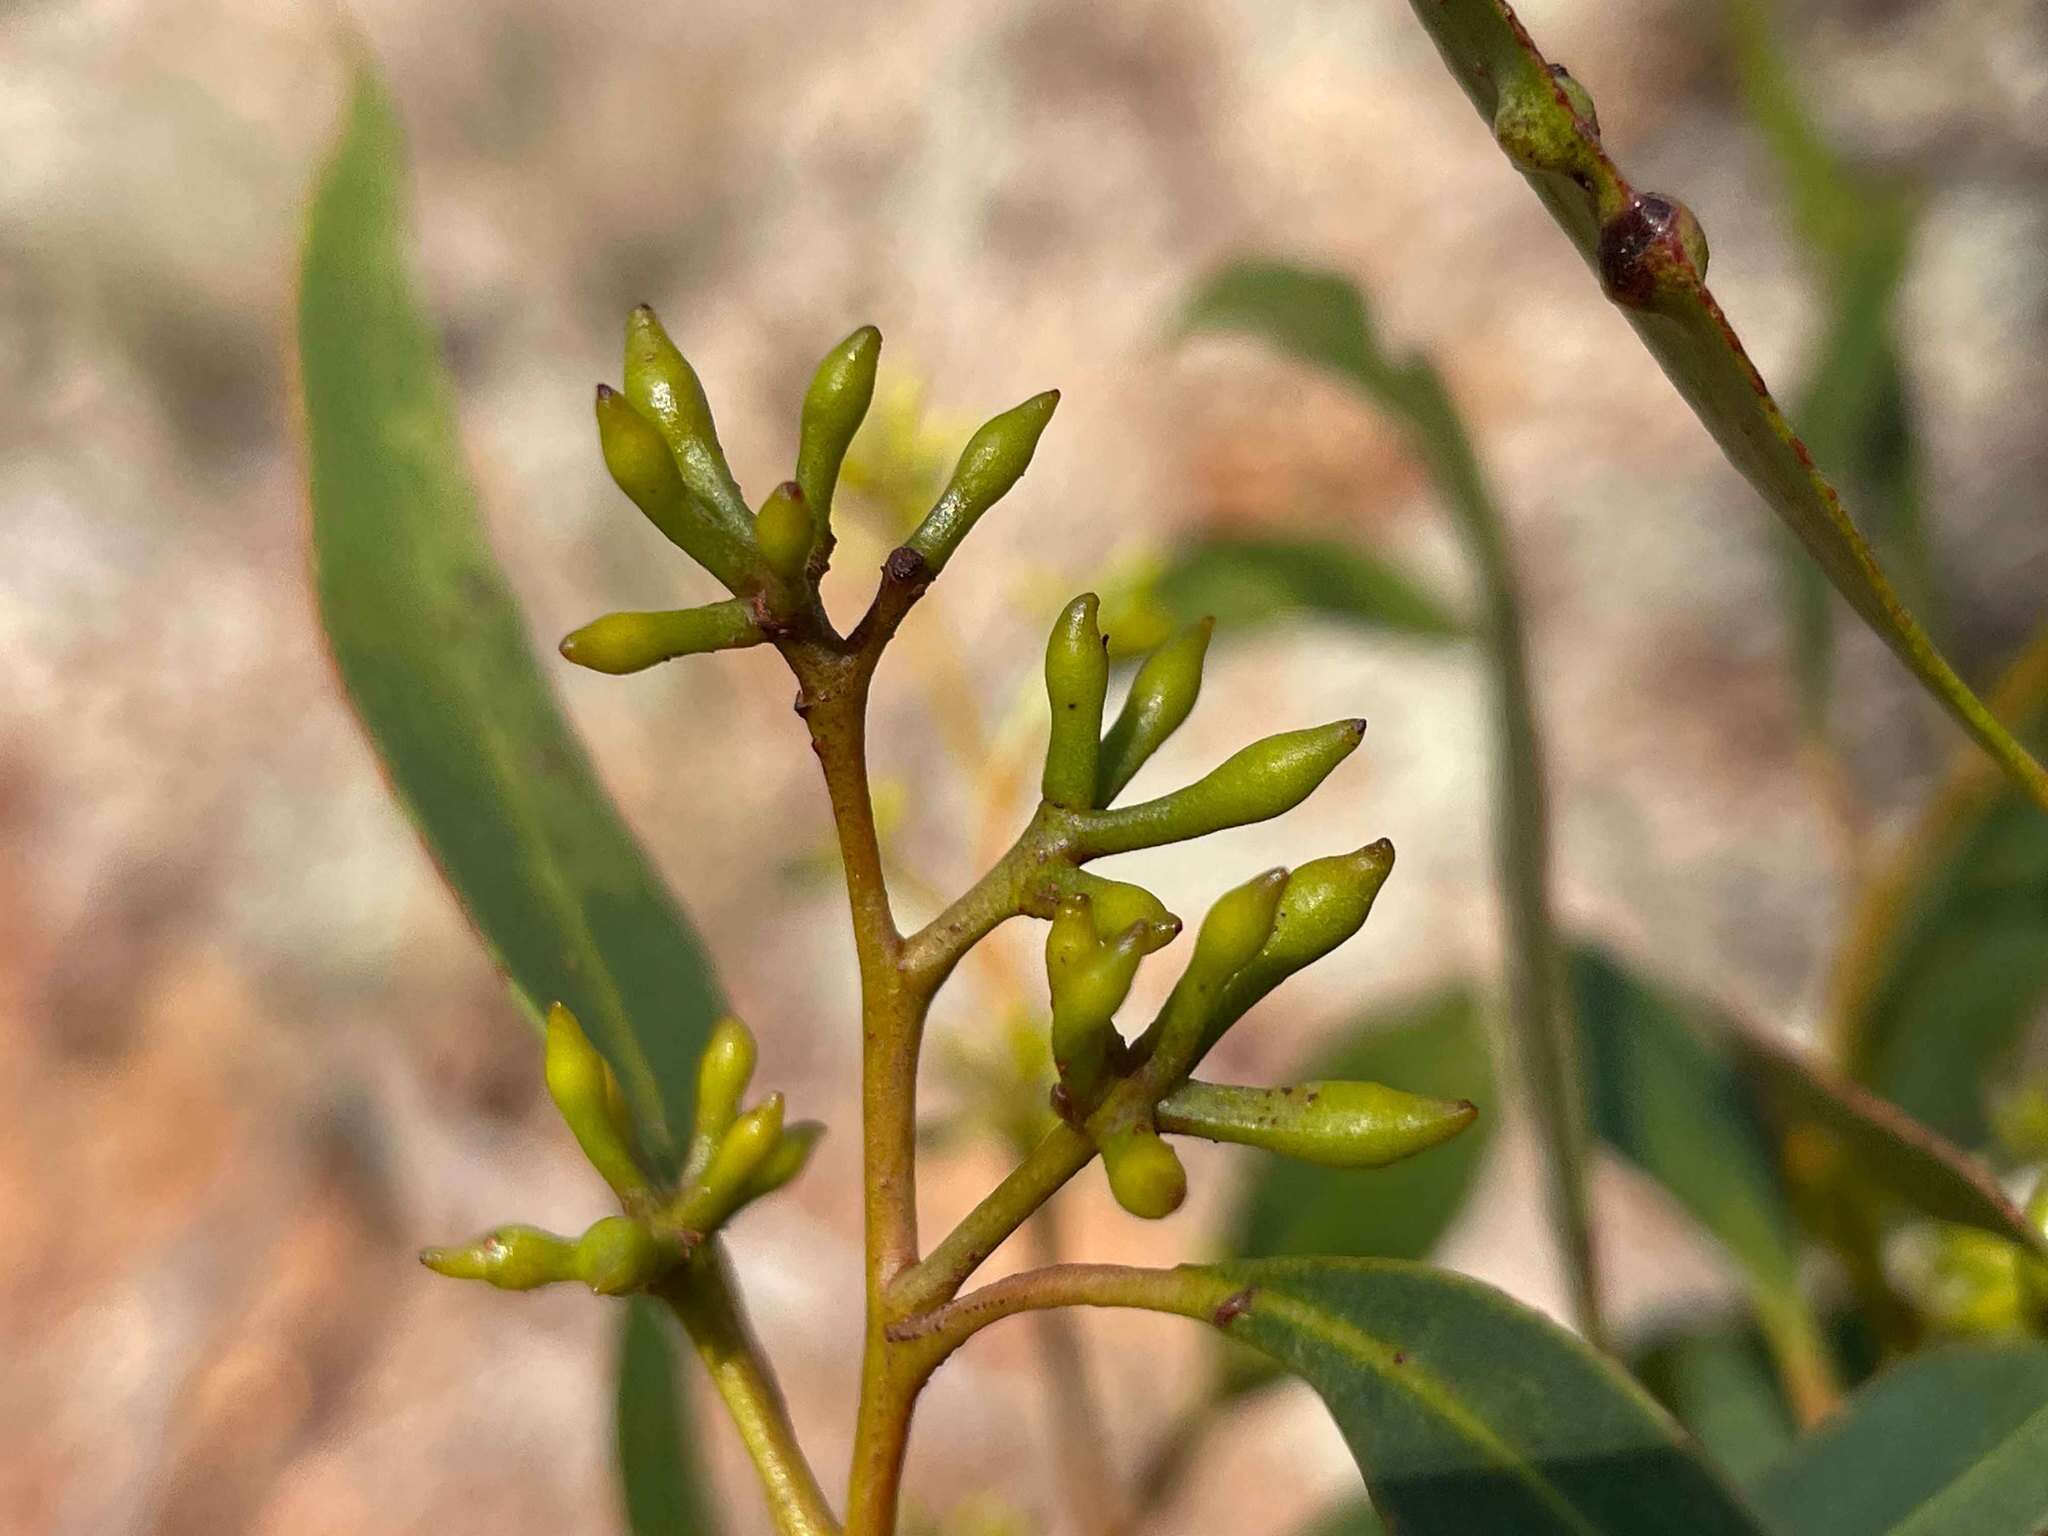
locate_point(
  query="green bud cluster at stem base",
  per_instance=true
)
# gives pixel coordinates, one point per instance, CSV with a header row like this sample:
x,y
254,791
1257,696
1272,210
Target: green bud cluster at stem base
x,y
734,1158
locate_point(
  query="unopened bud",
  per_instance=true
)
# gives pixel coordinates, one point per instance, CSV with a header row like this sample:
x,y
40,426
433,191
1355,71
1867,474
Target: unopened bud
x,y
580,1082
644,466
1085,998
1118,904
723,1072
784,531
1324,903
1076,681
1071,939
617,1255
666,390
788,1159
722,1187
1335,1124
1258,783
994,460
513,1258
834,407
1145,1174
631,642
1162,696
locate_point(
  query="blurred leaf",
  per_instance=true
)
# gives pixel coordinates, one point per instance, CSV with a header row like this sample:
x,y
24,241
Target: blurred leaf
x,y
1468,1412
1718,1380
1249,583
1882,1146
1949,1443
657,1466
1321,318
439,666
1668,1096
1684,328
1945,965
1435,1045
1670,1100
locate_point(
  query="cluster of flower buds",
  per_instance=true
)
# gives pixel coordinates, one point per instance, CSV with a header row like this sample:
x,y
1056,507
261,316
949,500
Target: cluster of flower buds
x,y
734,1157
1125,1093
662,449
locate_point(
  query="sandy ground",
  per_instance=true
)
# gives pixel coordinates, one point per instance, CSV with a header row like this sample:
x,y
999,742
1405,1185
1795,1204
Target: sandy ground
x,y
252,1059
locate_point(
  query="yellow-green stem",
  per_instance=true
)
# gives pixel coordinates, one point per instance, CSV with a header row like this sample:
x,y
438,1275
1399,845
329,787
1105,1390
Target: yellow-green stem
x,y
703,1298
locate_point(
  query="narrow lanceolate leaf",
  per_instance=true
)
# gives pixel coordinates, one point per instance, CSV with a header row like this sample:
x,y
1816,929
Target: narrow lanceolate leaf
x,y
1883,1147
442,671
1669,1097
1467,1411
657,1465
1950,1443
1248,583
1945,962
1651,261
1436,1045
1321,318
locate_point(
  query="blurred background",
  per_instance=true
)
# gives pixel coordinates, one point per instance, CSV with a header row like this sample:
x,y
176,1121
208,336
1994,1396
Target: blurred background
x,y
253,1058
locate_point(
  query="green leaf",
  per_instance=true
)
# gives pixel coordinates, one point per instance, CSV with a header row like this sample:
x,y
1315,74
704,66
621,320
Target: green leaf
x,y
1663,295
658,1467
1718,1379
1946,962
1949,1443
1668,1096
1469,1412
1249,583
1435,1045
440,667
1883,1146
1321,318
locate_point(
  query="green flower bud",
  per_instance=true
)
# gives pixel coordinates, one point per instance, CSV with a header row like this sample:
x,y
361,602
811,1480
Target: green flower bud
x,y
834,407
631,642
1162,696
1076,680
580,1082
617,1255
1336,1124
1145,1173
994,460
723,1072
788,1159
1258,783
1071,939
644,467
1117,905
514,1258
1086,994
1324,903
665,389
784,531
1237,928
721,1189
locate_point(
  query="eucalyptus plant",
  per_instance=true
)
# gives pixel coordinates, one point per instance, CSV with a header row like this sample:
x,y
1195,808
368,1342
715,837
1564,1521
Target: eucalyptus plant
x,y
1465,1410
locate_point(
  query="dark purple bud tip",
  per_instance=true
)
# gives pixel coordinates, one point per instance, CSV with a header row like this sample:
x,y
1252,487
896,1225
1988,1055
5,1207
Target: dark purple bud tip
x,y
605,391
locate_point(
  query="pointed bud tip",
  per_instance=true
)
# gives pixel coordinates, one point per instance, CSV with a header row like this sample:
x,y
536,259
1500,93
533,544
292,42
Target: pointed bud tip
x,y
604,393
